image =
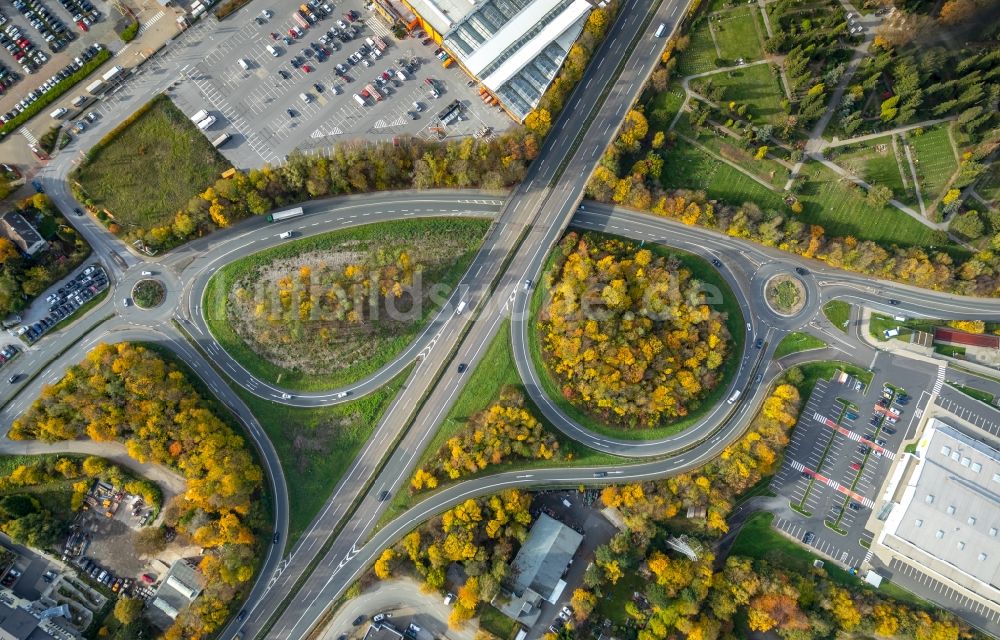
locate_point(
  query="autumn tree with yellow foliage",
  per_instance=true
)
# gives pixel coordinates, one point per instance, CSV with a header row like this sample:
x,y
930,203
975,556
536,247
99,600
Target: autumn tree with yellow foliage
x,y
504,431
126,393
629,334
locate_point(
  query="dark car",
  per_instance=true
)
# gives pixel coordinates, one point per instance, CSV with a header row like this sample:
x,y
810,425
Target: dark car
x,y
359,620
241,616
318,87
758,343
284,74
275,538
383,496
291,114
78,211
600,474
38,186
894,302
801,271
809,537
889,430
13,378
461,367
716,262
855,506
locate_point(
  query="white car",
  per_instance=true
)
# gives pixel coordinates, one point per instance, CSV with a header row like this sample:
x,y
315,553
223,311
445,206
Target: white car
x,y
147,273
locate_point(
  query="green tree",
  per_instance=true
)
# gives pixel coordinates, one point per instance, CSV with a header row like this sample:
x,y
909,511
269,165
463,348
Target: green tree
x,y
128,610
878,196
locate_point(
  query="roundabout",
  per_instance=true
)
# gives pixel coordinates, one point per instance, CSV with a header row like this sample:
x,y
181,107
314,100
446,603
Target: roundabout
x,y
786,295
148,293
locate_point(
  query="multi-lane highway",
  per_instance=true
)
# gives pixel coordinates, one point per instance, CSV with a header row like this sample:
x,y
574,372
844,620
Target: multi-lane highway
x,y
293,592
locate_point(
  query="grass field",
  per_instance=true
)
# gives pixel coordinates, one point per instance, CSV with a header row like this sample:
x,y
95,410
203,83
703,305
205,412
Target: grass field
x,y
734,321
770,171
875,167
700,55
497,623
317,446
879,323
495,371
795,342
738,36
662,107
384,341
839,313
757,86
934,158
152,168
829,202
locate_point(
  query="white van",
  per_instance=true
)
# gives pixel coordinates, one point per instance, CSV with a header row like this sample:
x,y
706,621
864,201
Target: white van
x,y
198,117
285,235
305,97
460,309
58,113
77,101
360,100
272,50
244,63
661,30
206,123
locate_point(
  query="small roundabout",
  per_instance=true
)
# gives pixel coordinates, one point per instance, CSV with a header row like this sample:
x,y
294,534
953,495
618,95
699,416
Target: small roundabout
x,y
785,295
148,293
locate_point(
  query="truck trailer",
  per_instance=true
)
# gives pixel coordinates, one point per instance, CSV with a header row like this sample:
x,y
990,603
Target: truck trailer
x,y
285,215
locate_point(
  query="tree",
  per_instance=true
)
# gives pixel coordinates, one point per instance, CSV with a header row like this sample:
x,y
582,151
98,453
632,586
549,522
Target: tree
x,y
878,196
150,541
383,566
128,610
968,225
582,603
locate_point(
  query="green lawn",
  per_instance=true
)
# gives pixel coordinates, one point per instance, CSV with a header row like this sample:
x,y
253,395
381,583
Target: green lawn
x,y
839,313
725,146
686,167
797,341
934,158
316,446
356,354
734,321
812,372
738,36
879,323
877,164
756,86
497,623
150,170
662,107
612,604
700,55
495,371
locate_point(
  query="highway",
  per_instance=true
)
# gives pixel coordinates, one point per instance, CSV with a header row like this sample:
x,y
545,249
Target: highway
x,y
527,223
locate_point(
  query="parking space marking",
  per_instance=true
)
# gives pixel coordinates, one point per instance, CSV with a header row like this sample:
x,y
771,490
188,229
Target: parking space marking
x,y
967,414
973,606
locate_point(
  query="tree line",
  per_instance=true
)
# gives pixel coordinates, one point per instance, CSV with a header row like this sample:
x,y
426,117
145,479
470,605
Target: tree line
x,y
127,393
628,333
504,431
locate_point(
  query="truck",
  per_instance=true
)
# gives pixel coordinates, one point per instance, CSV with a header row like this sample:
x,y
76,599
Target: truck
x,y
460,308
373,92
285,215
96,87
111,73
733,398
221,140
300,20
198,117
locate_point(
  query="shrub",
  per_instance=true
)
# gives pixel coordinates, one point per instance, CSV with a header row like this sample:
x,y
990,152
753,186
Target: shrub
x,y
129,33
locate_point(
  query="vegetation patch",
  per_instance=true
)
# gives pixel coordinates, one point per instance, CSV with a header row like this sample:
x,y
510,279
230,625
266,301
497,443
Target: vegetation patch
x,y
118,388
328,310
631,336
148,294
785,294
838,313
177,161
317,446
795,342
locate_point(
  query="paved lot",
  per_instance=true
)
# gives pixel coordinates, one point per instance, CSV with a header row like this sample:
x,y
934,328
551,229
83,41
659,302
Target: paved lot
x,y
252,105
966,408
917,582
838,458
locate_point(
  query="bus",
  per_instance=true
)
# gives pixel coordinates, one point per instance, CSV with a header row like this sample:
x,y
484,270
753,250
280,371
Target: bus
x,y
285,215
736,396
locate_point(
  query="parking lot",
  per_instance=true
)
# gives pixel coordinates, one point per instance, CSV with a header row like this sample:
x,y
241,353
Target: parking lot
x,y
262,105
840,451
66,300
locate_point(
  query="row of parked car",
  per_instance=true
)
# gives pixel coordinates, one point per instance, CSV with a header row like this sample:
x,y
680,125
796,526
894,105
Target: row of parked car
x,y
68,299
21,48
51,83
105,576
84,13
53,31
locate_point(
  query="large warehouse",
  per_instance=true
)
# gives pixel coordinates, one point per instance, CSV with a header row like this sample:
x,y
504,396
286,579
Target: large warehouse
x,y
946,516
513,47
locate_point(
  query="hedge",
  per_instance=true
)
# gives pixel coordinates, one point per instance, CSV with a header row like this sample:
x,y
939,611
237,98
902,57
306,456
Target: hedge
x,y
56,91
129,33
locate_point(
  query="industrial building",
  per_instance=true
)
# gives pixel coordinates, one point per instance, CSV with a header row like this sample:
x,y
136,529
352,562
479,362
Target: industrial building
x,y
513,47
537,570
945,511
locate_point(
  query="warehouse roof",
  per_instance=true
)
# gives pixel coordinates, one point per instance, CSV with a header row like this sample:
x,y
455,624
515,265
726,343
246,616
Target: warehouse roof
x,y
544,556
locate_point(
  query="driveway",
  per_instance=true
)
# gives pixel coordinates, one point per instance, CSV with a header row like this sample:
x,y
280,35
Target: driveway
x,y
407,603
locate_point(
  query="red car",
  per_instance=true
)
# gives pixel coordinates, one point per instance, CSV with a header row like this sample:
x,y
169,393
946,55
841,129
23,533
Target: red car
x,y
856,466
292,33
306,68
83,26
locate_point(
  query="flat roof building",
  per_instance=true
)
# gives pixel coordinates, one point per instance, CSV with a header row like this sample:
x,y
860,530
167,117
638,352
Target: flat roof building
x,y
513,47
17,624
947,516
